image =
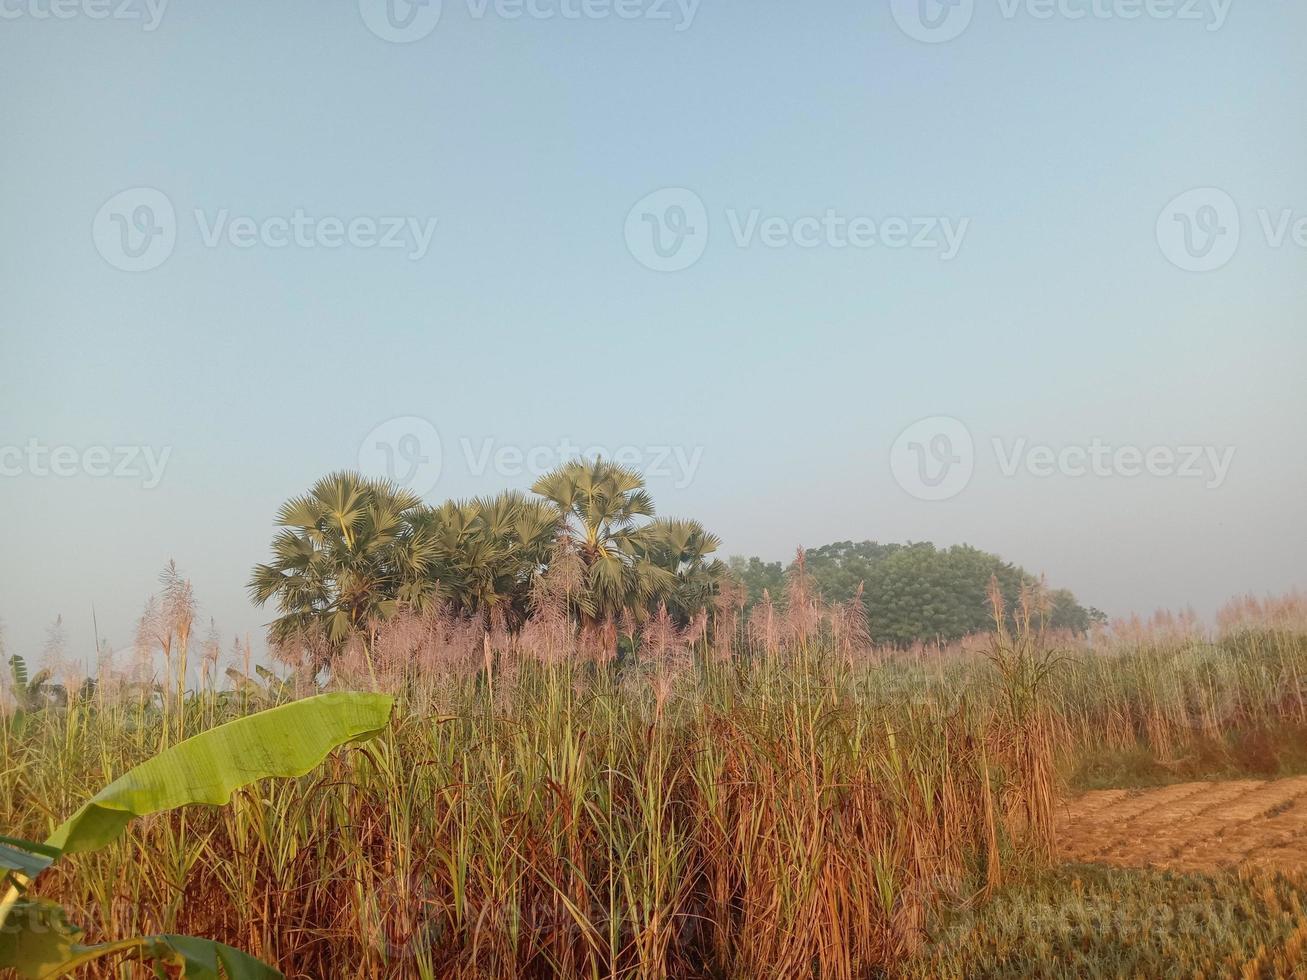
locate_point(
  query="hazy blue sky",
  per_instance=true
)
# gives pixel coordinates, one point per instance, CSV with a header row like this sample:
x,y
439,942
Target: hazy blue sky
x,y
782,362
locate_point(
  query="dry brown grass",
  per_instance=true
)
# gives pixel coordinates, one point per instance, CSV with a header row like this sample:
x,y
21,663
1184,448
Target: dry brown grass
x,y
795,808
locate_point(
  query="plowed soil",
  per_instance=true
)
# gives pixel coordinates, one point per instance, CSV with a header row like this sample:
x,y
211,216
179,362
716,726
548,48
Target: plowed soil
x,y
1191,826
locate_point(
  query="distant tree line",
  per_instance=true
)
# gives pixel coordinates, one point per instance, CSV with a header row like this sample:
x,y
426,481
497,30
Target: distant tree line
x,y
913,592
354,552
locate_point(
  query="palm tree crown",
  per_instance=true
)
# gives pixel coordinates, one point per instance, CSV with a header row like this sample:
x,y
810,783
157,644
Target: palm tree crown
x,y
348,555
352,552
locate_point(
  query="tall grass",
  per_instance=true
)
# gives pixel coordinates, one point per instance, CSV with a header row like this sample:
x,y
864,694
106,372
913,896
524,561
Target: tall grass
x,y
762,818
794,807
1169,696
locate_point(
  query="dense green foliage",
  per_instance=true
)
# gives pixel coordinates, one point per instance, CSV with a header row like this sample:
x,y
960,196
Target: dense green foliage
x,y
913,592
354,552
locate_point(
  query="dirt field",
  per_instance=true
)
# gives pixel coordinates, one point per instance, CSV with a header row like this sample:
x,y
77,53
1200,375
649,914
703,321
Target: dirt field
x,y
1191,826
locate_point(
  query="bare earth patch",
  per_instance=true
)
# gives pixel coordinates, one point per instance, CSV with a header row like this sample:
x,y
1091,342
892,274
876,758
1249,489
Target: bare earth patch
x,y
1191,826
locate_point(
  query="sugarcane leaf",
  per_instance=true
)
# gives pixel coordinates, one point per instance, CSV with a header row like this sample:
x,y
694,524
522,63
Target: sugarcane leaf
x,y
285,741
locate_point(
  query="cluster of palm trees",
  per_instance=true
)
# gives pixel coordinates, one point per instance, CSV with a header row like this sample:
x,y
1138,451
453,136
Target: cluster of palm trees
x,y
354,552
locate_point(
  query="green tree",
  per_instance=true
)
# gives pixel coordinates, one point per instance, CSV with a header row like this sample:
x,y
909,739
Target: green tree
x,y
838,569
1066,613
348,555
913,592
757,576
605,513
684,547
921,593
488,550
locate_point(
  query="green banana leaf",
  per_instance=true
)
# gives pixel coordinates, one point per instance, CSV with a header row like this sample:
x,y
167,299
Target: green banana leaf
x,y
39,943
201,958
209,767
36,938
26,857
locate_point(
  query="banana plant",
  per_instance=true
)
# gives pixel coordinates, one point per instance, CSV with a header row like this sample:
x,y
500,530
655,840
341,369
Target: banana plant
x,y
32,692
269,689
38,941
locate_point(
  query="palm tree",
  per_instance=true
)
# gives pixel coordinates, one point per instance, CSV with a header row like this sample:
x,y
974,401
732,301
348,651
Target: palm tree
x,y
602,510
683,547
489,550
348,557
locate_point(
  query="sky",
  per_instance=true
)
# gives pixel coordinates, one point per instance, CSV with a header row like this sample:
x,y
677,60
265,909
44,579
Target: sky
x,y
1026,274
